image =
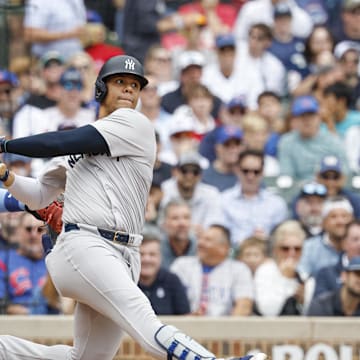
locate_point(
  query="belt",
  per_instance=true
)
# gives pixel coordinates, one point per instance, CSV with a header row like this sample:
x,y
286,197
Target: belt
x,y
119,237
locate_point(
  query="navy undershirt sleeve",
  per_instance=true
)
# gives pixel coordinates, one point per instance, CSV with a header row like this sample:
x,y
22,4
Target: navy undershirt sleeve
x,y
83,140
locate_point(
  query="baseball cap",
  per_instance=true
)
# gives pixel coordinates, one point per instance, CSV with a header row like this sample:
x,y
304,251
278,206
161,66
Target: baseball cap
x,y
10,158
353,265
225,40
189,158
330,163
342,47
313,188
181,121
71,78
238,101
8,77
51,56
304,104
336,202
350,4
190,58
282,9
228,132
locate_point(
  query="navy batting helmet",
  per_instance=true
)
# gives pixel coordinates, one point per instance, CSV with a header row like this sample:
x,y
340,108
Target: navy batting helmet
x,y
121,64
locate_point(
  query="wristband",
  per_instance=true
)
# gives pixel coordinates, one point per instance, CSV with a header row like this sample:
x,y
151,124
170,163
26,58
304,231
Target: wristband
x,y
5,176
3,142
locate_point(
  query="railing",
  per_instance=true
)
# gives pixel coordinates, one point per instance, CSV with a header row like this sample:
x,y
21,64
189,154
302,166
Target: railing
x,y
284,338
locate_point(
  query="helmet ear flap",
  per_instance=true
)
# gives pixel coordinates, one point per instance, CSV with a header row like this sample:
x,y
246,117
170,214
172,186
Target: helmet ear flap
x,y
100,90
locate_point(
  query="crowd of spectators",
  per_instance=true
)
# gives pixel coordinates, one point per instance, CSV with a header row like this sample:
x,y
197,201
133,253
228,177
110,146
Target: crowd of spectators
x,y
254,209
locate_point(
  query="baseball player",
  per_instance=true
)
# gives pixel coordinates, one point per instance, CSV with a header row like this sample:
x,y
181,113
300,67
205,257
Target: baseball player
x,y
105,176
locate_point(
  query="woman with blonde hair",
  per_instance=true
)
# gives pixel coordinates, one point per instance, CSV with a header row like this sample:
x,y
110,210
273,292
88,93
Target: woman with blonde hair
x,y
279,288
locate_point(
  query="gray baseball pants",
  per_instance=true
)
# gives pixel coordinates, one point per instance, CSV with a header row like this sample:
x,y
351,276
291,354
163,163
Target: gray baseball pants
x,y
101,276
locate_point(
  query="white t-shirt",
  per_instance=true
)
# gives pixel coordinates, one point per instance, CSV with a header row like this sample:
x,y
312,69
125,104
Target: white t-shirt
x,y
227,282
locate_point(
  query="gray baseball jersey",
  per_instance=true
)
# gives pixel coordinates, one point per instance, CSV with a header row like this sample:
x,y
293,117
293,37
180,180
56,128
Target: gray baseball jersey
x,y
115,192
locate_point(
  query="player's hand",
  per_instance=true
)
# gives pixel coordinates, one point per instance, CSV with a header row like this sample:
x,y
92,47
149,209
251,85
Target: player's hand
x,y
3,169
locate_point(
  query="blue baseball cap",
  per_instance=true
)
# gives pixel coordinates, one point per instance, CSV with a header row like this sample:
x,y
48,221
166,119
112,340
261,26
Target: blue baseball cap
x,y
71,78
282,9
8,77
225,40
228,132
330,163
238,101
304,105
354,264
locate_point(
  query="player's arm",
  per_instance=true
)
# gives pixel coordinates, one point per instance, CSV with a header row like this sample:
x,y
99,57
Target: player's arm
x,y
83,140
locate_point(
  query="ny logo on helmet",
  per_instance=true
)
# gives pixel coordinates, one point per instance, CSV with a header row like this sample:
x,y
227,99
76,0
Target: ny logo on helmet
x,y
129,64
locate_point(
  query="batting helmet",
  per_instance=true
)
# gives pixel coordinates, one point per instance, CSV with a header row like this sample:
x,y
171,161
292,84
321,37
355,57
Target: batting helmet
x,y
121,64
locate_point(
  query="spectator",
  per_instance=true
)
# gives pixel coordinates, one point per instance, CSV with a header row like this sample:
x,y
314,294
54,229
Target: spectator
x,y
263,12
248,208
329,278
307,140
336,113
46,28
164,289
199,103
257,66
190,64
68,113
85,64
23,269
344,301
95,43
228,146
287,47
222,75
232,115
215,284
23,68
179,238
279,290
332,176
347,54
308,207
204,200
252,252
324,249
256,135
270,108
8,106
219,19
150,106
349,27
25,120
182,138
144,25
159,64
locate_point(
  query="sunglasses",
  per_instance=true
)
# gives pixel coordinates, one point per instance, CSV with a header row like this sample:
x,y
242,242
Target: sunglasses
x,y
285,248
193,171
314,189
330,176
256,172
39,229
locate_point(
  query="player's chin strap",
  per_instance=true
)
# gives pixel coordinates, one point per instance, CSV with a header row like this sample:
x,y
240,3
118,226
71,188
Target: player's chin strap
x,y
180,346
